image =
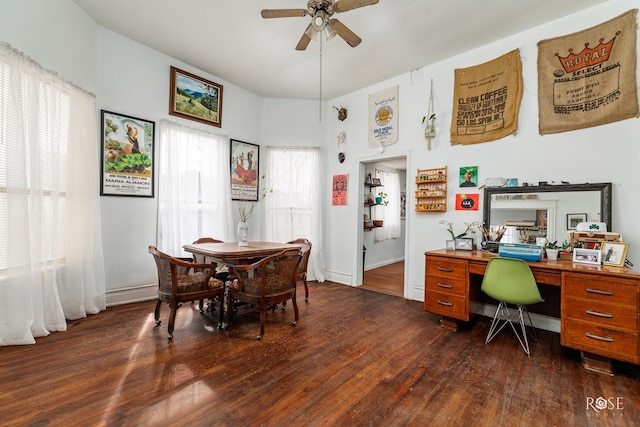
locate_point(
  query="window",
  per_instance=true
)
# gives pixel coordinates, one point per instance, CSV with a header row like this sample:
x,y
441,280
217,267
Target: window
x,y
293,202
51,263
194,193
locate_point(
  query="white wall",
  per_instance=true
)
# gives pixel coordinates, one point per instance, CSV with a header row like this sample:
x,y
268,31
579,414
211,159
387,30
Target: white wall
x,y
602,154
127,78
132,79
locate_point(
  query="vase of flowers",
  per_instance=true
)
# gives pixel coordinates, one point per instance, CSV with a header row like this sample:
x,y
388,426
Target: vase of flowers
x,y
245,209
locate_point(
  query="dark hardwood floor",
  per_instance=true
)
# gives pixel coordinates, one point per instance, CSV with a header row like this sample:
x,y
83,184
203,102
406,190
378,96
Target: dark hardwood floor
x,y
388,279
355,358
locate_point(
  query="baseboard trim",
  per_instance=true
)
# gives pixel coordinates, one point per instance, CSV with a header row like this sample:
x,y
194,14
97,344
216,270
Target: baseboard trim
x,y
131,294
382,264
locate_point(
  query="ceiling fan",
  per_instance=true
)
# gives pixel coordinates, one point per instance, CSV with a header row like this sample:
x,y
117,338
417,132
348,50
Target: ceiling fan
x,y
321,12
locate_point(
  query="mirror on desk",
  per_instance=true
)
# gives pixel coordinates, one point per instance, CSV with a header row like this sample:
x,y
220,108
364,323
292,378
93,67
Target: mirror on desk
x,y
545,212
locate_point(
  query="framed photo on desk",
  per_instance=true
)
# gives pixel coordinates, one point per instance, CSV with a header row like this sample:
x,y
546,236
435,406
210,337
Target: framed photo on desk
x,y
614,253
587,256
464,244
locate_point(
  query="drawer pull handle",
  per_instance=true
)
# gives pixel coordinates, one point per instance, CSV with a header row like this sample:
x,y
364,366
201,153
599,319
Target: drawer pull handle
x,y
596,313
446,270
597,291
448,304
444,285
596,337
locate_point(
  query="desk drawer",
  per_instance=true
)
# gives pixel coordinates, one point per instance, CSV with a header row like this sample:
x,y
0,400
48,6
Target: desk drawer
x,y
618,291
604,341
446,285
446,304
444,267
604,314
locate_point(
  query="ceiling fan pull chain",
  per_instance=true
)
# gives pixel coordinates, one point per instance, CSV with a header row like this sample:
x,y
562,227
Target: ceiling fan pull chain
x,y
320,95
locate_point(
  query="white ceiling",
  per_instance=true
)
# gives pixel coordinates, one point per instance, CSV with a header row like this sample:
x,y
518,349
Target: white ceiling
x,y
229,39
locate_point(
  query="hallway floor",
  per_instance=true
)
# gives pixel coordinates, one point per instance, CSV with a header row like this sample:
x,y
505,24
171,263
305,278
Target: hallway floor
x,y
387,280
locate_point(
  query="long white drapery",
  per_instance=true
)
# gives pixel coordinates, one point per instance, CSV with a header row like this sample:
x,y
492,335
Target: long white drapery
x,y
194,189
292,205
51,256
390,214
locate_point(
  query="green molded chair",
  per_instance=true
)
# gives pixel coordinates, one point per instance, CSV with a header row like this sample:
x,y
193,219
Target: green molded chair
x,y
510,281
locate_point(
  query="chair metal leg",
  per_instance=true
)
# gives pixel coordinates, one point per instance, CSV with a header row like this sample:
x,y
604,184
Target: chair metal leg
x,y
498,322
503,316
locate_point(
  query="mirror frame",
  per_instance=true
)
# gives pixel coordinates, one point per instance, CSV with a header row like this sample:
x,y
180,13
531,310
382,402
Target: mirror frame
x,y
603,188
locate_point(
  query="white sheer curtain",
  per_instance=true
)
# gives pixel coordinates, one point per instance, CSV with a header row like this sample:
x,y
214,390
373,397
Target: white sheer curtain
x,y
194,188
391,213
51,259
292,208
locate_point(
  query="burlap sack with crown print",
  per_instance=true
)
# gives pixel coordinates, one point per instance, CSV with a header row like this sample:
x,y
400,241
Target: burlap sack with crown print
x,y
588,78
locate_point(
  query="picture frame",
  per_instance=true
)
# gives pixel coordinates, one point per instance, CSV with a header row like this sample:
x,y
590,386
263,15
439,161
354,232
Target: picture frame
x,y
245,170
195,98
127,155
542,217
587,256
464,244
339,190
450,245
376,181
468,176
614,253
573,219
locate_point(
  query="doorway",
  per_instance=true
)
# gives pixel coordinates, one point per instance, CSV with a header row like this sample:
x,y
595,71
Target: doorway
x,y
382,266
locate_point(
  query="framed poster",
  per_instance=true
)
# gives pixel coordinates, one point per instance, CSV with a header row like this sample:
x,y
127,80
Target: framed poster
x,y
339,189
245,165
194,98
127,155
614,253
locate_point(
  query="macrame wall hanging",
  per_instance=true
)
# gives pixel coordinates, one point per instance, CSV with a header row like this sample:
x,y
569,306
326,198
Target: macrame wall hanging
x,y
429,120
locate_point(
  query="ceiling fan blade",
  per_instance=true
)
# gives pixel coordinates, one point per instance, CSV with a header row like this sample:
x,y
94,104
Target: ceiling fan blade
x,y
283,13
306,38
345,5
349,36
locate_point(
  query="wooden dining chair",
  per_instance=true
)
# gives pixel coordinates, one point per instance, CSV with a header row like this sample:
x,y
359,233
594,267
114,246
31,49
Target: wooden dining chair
x,y
265,283
182,280
222,271
305,246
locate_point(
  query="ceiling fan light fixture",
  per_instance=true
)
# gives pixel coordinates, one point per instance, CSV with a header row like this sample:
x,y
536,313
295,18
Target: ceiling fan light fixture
x,y
319,21
329,32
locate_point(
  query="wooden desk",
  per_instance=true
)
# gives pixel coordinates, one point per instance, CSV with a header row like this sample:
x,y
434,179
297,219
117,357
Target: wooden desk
x,y
231,253
599,309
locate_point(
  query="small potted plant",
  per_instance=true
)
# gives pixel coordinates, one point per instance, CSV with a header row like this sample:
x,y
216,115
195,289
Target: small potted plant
x,y
381,199
553,249
429,126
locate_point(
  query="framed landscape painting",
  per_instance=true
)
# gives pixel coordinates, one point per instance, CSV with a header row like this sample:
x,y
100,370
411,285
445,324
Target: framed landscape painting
x,y
127,155
195,98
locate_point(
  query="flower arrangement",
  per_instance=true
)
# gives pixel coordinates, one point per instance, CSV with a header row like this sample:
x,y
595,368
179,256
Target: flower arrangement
x,y
464,233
